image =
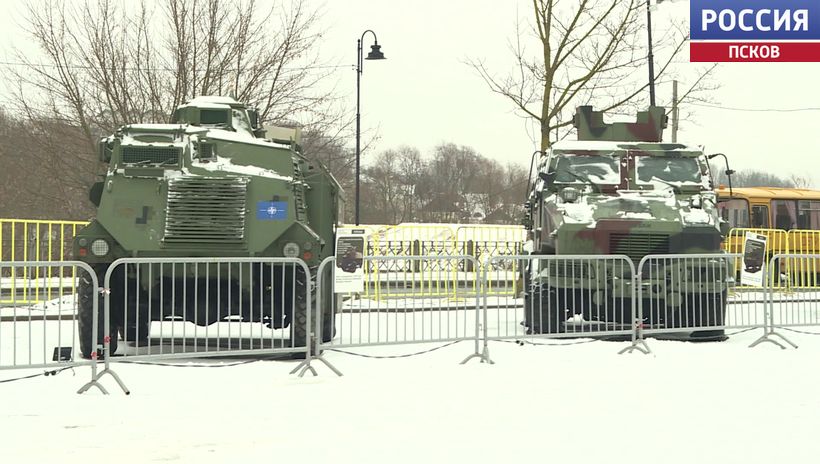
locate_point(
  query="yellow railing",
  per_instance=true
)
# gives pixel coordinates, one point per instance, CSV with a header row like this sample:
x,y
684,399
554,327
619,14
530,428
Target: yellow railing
x,y
436,277
34,240
791,273
804,272
777,241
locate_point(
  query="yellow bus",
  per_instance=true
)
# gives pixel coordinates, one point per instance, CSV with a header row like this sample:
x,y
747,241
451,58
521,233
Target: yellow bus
x,y
789,217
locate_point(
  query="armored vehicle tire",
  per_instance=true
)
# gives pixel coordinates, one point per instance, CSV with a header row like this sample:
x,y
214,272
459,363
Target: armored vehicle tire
x,y
298,322
138,333
85,316
544,310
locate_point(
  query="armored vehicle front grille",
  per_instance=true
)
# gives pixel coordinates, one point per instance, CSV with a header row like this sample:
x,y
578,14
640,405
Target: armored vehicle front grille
x,y
205,210
636,246
150,155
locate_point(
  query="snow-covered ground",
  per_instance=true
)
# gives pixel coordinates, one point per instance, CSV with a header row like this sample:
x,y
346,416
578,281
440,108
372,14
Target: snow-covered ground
x,y
708,402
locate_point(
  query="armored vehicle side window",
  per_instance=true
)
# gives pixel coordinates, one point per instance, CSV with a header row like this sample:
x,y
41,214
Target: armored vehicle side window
x,y
677,170
735,212
213,117
760,217
601,169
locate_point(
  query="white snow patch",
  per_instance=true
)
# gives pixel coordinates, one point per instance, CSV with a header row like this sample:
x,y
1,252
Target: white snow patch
x,y
224,164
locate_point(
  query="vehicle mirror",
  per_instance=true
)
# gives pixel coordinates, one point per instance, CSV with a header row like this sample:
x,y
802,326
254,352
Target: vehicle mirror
x,y
548,177
253,115
103,151
724,227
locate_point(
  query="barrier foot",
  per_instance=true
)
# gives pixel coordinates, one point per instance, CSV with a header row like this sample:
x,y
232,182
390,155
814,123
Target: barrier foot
x,y
329,366
782,337
301,366
484,356
637,345
638,342
305,366
765,338
95,382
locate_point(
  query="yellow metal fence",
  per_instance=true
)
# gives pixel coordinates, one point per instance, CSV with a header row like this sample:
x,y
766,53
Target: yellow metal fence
x,y
438,276
35,240
791,273
41,240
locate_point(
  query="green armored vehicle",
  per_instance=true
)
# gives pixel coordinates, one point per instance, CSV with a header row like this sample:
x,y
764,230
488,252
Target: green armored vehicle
x,y
619,190
209,184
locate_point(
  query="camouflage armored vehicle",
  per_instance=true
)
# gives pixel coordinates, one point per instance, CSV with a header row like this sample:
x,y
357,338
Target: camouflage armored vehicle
x,y
209,184
619,190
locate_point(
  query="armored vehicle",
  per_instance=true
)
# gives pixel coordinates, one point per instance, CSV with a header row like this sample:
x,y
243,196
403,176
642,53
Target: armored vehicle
x,y
209,184
619,190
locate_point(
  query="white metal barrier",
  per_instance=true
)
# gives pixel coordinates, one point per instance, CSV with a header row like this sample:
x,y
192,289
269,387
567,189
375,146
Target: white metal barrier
x,y
406,313
798,308
165,308
559,297
44,335
152,308
695,296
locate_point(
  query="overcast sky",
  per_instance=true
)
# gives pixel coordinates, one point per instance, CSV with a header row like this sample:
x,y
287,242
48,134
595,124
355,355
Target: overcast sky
x,y
424,93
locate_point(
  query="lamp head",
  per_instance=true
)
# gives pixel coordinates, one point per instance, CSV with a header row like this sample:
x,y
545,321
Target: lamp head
x,y
375,53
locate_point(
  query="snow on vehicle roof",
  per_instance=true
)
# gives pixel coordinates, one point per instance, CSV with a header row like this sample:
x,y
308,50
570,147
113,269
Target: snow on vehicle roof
x,y
598,145
214,99
243,137
154,127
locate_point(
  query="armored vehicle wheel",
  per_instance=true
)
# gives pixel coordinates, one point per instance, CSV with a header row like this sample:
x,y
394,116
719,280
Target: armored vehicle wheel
x,y
544,310
129,307
331,303
137,333
298,322
85,315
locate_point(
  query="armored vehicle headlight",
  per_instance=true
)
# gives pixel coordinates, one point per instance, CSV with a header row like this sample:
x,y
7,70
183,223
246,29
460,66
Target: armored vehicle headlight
x,y
99,247
291,250
570,194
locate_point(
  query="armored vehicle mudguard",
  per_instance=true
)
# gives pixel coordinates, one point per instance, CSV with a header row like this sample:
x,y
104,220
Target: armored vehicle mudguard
x,y
619,190
209,184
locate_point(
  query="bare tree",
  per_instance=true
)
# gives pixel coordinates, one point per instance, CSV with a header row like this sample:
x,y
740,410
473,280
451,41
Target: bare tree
x,y
754,178
586,52
106,63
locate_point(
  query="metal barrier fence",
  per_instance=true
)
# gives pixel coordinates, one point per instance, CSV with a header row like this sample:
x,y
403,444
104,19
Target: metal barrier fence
x,y
411,315
197,307
561,296
799,308
696,295
30,341
34,240
165,308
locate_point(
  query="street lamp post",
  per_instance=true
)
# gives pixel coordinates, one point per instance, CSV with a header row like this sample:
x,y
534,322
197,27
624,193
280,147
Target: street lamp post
x,y
649,57
375,54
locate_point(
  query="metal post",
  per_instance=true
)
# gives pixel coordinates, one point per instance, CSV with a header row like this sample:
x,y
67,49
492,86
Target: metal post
x,y
650,58
358,119
674,111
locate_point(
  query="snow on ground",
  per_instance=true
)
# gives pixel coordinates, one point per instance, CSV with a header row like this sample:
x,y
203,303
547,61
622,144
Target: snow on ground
x,y
708,402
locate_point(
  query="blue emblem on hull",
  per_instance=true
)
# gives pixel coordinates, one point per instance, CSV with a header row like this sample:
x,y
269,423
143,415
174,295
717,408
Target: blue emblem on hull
x,y
271,210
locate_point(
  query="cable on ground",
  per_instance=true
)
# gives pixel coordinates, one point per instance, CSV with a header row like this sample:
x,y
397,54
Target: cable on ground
x,y
394,356
52,372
